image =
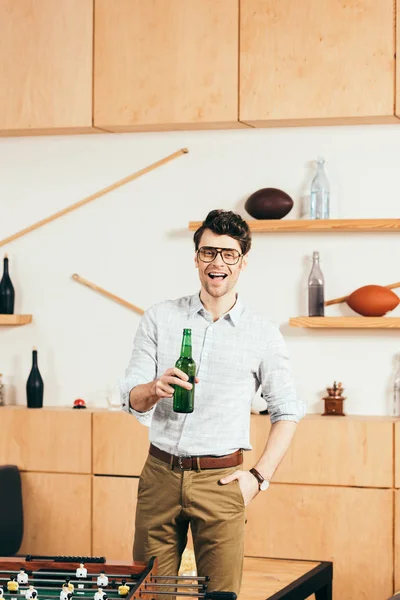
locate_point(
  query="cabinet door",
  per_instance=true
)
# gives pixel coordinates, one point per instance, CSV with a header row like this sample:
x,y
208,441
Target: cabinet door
x,y
353,527
397,454
313,60
326,451
397,541
57,514
114,506
166,64
46,65
49,439
120,444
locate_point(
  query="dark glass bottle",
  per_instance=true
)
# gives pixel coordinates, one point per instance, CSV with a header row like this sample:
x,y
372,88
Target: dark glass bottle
x,y
34,385
183,398
316,305
7,294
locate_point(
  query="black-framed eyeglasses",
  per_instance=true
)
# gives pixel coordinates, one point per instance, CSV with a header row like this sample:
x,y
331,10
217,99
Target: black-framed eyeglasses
x,y
207,254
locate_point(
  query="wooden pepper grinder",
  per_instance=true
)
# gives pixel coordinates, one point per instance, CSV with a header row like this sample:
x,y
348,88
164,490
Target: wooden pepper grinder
x,y
334,400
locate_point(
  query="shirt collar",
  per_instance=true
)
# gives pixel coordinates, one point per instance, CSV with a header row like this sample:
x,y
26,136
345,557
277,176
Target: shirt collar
x,y
234,314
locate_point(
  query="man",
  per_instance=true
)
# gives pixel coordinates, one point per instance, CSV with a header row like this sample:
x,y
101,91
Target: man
x,y
236,351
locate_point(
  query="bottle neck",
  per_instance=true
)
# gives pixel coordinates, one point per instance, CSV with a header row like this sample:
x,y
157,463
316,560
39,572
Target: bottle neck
x,y
34,358
186,349
315,259
5,261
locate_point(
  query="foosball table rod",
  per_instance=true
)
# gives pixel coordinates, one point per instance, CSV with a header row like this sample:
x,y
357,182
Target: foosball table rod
x,y
205,595
180,577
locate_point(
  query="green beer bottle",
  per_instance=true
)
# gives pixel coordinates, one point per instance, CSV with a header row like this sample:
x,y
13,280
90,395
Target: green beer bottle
x,y
183,398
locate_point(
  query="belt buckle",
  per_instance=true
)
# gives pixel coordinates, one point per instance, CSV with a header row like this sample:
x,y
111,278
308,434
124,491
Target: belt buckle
x,y
180,463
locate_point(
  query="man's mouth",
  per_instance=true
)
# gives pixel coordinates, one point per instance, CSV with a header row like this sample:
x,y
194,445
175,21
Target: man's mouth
x,y
217,275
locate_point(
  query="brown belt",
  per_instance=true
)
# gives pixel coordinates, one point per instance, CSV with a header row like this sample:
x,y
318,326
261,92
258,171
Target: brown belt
x,y
195,463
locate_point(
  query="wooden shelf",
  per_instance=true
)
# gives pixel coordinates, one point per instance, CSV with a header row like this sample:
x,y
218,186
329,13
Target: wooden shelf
x,y
15,319
321,225
346,322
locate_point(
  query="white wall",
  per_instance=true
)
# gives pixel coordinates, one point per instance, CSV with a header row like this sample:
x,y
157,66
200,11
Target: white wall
x,y
135,243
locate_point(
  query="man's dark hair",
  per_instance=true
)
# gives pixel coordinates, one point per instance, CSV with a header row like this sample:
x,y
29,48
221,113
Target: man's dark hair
x,y
225,222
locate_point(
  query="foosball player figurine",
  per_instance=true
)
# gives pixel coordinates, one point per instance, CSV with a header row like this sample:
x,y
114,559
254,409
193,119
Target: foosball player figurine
x,y
70,585
123,589
1,591
100,595
12,585
81,572
30,593
102,580
22,577
65,594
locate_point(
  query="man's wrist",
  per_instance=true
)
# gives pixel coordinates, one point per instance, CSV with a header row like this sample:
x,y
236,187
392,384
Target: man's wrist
x,y
263,484
144,398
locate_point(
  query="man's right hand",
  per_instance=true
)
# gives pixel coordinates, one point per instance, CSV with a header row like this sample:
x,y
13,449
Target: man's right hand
x,y
174,376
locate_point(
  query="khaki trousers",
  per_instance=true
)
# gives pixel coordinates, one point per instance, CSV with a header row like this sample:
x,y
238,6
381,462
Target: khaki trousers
x,y
169,500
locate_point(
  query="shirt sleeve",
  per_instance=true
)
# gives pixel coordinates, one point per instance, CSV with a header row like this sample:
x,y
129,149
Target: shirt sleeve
x,y
142,367
277,387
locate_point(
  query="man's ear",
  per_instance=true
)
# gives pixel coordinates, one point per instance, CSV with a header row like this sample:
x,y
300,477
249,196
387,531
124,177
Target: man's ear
x,y
244,262
196,261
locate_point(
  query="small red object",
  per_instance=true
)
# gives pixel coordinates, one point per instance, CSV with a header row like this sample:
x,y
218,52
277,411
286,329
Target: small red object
x,y
79,403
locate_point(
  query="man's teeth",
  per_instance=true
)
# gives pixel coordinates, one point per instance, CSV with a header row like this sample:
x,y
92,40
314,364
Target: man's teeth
x,y
215,275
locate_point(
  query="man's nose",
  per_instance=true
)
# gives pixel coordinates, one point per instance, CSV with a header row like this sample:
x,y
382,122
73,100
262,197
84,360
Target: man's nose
x,y
218,260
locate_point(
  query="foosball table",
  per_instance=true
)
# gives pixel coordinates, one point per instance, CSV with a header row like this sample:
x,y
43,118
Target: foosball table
x,y
94,578
75,578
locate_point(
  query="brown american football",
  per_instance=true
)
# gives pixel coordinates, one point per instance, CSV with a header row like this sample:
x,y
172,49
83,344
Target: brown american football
x,y
269,203
373,300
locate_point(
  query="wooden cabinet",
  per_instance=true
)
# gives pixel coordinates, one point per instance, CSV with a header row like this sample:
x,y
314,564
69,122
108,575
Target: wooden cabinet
x,y
352,527
46,439
57,514
114,506
315,61
46,66
165,64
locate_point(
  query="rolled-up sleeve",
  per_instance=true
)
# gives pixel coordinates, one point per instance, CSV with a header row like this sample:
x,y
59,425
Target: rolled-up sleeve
x,y
142,367
276,381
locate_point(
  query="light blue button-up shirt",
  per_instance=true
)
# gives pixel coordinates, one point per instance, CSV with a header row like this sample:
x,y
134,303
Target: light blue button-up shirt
x,y
234,356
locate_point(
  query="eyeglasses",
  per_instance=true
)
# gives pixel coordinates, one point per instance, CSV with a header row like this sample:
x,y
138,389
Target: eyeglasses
x,y
230,256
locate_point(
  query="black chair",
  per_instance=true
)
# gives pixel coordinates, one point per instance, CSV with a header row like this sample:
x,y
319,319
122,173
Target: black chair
x,y
11,513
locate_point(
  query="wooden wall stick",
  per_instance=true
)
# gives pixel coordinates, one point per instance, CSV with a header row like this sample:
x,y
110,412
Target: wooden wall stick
x,y
95,287
344,298
94,196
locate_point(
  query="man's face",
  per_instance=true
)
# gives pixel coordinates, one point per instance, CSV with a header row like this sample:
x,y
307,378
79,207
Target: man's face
x,y
217,277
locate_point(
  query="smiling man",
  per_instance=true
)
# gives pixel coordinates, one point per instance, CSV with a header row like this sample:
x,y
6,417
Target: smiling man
x,y
193,474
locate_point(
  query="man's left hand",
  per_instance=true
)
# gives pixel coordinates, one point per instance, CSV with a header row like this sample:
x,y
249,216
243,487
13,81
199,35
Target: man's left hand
x,y
247,482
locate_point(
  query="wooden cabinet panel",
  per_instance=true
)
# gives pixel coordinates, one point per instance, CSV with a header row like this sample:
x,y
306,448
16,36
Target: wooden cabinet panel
x,y
120,444
352,527
45,439
46,66
397,454
165,65
315,60
114,506
397,541
351,450
57,514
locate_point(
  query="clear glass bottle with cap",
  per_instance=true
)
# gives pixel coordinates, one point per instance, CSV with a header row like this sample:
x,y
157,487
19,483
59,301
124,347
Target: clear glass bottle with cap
x,y
320,193
316,283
